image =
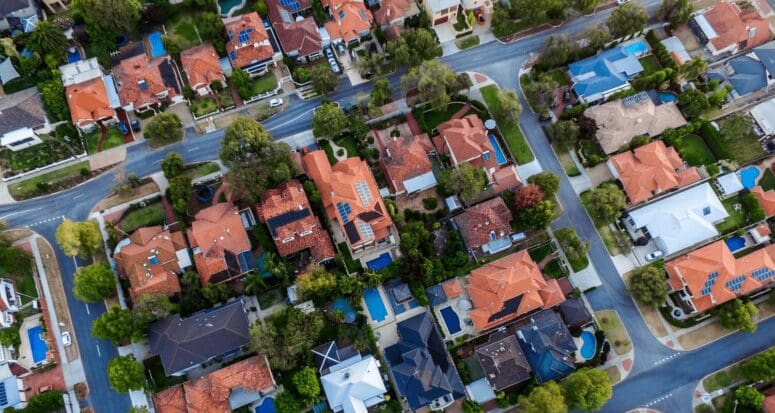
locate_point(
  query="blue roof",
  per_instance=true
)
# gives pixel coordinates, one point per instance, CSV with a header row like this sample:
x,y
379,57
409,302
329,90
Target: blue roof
x,y
606,71
766,54
749,75
547,345
436,295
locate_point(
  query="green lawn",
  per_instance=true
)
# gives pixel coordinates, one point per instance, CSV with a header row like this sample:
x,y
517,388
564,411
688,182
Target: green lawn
x,y
264,84
269,298
434,118
182,30
28,187
591,147
539,253
511,133
560,77
202,106
567,163
768,180
227,99
694,151
614,330
349,144
735,220
148,216
25,285
46,153
467,42
154,371
555,269
202,169
744,148
722,378
650,64
113,139
330,153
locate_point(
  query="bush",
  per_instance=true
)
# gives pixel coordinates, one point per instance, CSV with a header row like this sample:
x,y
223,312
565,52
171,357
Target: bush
x,y
430,203
715,142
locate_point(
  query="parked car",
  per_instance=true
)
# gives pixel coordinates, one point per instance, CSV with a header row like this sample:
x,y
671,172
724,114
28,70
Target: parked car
x,y
275,102
123,128
334,65
329,53
652,256
341,48
135,125
566,96
66,339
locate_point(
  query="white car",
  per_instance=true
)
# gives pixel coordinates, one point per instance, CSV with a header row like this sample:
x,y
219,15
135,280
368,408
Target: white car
x,y
66,339
653,255
620,2
275,102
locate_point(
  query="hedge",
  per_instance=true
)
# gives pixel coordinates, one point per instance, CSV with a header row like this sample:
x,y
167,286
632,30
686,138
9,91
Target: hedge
x,y
715,142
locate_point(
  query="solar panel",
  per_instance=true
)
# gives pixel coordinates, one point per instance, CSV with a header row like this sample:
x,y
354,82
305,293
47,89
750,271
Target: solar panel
x,y
363,192
233,55
293,5
735,283
3,396
344,211
365,229
231,36
486,155
244,35
709,283
285,16
762,274
143,85
341,14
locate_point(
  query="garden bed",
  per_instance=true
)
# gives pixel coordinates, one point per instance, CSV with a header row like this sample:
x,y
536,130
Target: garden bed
x,y
269,298
38,156
612,326
56,180
467,42
202,106
768,180
723,378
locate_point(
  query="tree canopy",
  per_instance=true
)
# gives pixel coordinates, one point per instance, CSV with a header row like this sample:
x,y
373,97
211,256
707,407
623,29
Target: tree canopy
x,y
48,39
648,285
547,398
738,314
328,121
605,202
317,283
676,12
286,337
151,307
760,367
693,102
435,82
117,325
414,46
465,180
94,282
324,80
564,134
164,129
587,389
125,374
538,215
547,181
508,108
539,92
306,383
79,238
627,19
172,165
112,17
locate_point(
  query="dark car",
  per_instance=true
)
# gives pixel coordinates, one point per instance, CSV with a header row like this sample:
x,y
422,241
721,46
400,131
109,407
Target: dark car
x,y
566,96
123,128
135,125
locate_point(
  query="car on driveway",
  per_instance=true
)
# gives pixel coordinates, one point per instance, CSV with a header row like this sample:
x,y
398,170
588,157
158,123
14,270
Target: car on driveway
x,y
653,255
566,96
135,125
275,102
329,53
334,65
123,128
66,339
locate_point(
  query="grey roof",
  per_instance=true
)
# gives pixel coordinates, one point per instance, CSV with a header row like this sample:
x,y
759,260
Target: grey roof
x,y
574,312
7,71
9,6
503,361
548,346
329,354
185,342
21,110
749,75
766,54
436,295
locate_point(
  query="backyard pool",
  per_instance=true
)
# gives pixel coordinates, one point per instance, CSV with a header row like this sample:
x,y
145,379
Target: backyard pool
x,y
73,55
735,243
343,305
226,6
266,406
589,345
498,151
451,319
374,304
38,345
157,45
380,262
748,176
666,97
638,48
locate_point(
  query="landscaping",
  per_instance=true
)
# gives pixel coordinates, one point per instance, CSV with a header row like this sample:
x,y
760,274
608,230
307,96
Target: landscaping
x,y
147,216
559,76
351,264
694,151
722,378
735,220
33,186
467,42
226,98
768,180
743,148
113,138
429,120
50,151
567,163
201,169
511,133
183,31
202,106
269,298
611,324
650,65
263,84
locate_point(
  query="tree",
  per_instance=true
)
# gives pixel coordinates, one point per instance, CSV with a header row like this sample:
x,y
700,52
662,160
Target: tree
x,y
508,108
48,39
585,6
749,399
317,283
627,19
306,383
380,94
694,67
9,337
48,401
564,134
435,83
79,238
94,282
693,102
413,47
587,389
151,307
676,12
736,127
738,314
465,180
547,181
527,196
328,121
753,210
286,337
180,191
416,241
760,367
241,81
261,8
558,50
647,284
540,93
596,37
605,202
164,129
211,28
125,374
117,325
502,24
254,283
574,248
112,17
286,402
191,299
538,216
243,141
215,293
547,398
53,97
324,80
470,406
15,262
172,165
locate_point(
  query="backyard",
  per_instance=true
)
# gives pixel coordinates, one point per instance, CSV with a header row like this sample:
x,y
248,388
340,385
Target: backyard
x,y
744,148
694,151
736,218
183,30
113,139
149,215
511,132
768,180
650,65
30,187
202,106
611,324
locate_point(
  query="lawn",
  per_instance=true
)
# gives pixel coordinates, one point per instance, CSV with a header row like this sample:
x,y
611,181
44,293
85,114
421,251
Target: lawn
x,y
349,144
183,31
28,187
46,153
559,76
650,64
607,234
264,84
612,326
539,253
768,180
150,215
516,142
467,42
330,153
555,269
227,99
202,169
352,265
567,163
202,106
113,139
744,148
434,118
590,147
722,378
735,220
694,151
25,285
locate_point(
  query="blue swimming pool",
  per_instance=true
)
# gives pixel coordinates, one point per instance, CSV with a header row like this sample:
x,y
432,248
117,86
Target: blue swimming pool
x,y
666,97
342,304
636,48
227,5
588,346
451,319
735,243
380,262
73,55
157,45
38,345
374,304
498,151
748,176
266,406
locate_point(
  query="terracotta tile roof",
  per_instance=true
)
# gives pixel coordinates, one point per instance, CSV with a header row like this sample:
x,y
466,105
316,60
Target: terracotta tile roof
x,y
452,288
651,169
505,178
390,11
216,232
88,102
351,19
406,158
299,36
292,224
477,222
201,65
394,32
257,47
508,288
713,276
150,261
171,400
140,81
763,230
769,404
766,199
465,140
351,198
732,26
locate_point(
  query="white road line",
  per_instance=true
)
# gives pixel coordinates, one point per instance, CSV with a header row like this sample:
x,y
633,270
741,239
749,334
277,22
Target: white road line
x,y
76,264
290,120
661,399
99,353
77,196
192,149
158,161
87,308
19,212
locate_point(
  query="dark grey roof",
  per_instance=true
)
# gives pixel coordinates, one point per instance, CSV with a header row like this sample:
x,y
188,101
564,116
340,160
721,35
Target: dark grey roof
x,y
168,75
766,54
9,6
329,354
574,312
185,342
548,346
369,216
436,295
503,361
285,219
749,75
352,232
20,110
399,290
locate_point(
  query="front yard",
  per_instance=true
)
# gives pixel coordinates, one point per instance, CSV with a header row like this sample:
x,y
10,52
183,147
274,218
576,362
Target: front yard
x,y
113,138
30,187
511,132
263,84
50,151
201,169
150,215
203,105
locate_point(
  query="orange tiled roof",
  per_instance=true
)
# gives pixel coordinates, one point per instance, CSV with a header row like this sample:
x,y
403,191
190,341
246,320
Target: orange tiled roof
x,y
150,261
390,10
257,47
215,231
465,140
88,102
452,288
140,81
651,169
732,26
477,222
508,288
715,267
351,18
406,158
505,178
293,226
171,400
201,65
766,199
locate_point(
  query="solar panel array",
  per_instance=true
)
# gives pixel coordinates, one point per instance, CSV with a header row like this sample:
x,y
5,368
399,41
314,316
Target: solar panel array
x,y
292,5
709,283
762,274
363,192
344,211
735,283
244,35
3,396
233,55
365,229
486,155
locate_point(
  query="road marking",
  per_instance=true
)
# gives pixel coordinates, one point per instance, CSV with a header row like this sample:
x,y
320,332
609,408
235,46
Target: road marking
x,y
192,149
19,212
99,353
87,308
661,399
75,263
666,359
291,120
158,161
77,196
44,221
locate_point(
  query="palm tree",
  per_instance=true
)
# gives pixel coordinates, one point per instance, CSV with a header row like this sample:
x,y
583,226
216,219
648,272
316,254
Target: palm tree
x,y
276,266
694,67
47,39
254,283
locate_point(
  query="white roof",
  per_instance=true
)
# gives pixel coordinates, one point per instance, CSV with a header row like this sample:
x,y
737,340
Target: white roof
x,y
7,71
674,45
184,259
418,183
764,114
730,183
353,388
16,135
439,5
480,391
80,71
681,220
110,88
705,26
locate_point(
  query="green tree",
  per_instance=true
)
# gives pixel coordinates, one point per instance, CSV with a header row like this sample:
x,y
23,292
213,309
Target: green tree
x,y
435,82
48,401
112,17
557,51
286,402
694,67
125,374
261,8
180,191
172,165
627,19
381,92
538,216
574,248
79,238
243,141
211,29
605,202
286,337
540,93
676,12
596,37
254,283
117,325
164,129
317,283
16,262
648,285
324,80
547,181
241,81
328,121
760,367
53,97
585,6
151,307
413,47
191,299
693,102
508,108
587,389
306,383
738,314
749,399
547,398
48,39
465,180
94,282
470,406
416,241
753,210
736,127
215,293
564,134
502,24
9,337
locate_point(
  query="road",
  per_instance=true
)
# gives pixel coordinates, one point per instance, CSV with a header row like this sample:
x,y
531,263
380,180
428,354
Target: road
x,y
661,378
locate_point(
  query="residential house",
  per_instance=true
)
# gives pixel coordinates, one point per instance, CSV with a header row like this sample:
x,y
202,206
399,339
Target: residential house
x,y
9,302
598,77
22,120
764,115
678,221
91,95
351,20
350,196
651,169
298,35
621,120
502,360
441,11
292,225
186,343
18,15
509,288
393,13
351,382
548,346
406,164
151,259
750,73
330,354
223,390
143,83
677,50
766,199
202,67
422,370
486,227
574,313
725,28
10,386
220,243
248,47
711,275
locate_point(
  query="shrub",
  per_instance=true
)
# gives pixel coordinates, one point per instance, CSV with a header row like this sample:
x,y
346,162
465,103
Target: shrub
x,y
430,203
715,142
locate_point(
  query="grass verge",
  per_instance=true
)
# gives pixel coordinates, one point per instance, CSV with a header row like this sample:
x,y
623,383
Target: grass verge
x,y
29,187
517,143
612,326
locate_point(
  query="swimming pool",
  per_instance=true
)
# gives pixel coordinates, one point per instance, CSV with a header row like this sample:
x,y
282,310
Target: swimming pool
x,y
666,97
497,148
374,304
735,243
38,345
266,406
380,262
451,319
73,55
589,345
157,45
748,176
226,6
343,305
636,48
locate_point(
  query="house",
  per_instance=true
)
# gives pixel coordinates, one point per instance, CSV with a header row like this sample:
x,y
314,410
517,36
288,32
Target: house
x,y
330,354
91,95
151,259
650,170
677,50
548,346
145,83
711,275
725,28
503,361
766,199
485,227
574,313
186,343
22,120
9,302
220,243
222,390
509,288
202,67
393,13
10,386
764,115
406,164
350,196
598,77
293,226
18,15
351,20
678,221
441,11
352,382
248,46
298,35
621,120
746,74
422,370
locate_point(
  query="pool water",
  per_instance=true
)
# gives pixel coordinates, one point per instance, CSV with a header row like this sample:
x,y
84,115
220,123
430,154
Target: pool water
x,y
157,45
380,262
636,48
266,406
451,319
735,243
748,176
73,55
665,97
498,151
227,5
588,346
343,305
38,346
374,304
